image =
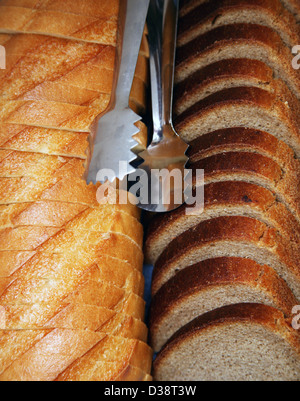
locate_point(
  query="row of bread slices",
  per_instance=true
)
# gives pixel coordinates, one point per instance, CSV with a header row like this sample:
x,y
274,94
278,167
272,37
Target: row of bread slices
x,y
227,282
71,283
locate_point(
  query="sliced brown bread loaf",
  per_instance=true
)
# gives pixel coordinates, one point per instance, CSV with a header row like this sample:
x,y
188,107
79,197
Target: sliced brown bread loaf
x,y
248,41
229,237
216,13
212,284
240,139
247,107
236,343
231,73
227,198
256,169
187,6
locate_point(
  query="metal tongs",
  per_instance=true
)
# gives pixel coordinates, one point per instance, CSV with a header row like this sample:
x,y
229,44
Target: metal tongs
x,y
167,151
114,142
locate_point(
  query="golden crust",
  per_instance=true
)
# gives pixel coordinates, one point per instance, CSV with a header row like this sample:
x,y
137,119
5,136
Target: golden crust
x,y
58,349
67,263
73,317
60,267
24,138
104,9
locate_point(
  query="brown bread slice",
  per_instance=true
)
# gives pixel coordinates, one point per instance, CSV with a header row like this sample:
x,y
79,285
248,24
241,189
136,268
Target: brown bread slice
x,y
243,140
229,237
58,349
248,41
217,13
247,107
244,342
231,73
256,169
227,198
212,284
187,6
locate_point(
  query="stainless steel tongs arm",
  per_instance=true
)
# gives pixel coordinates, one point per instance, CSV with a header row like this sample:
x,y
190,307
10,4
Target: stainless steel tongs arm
x,y
162,23
133,31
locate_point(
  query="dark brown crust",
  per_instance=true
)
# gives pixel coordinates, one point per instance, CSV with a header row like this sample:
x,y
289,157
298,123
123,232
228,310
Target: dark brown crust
x,y
240,229
246,38
269,317
187,6
239,139
249,32
243,95
258,98
225,194
208,12
242,162
232,73
216,272
225,69
246,165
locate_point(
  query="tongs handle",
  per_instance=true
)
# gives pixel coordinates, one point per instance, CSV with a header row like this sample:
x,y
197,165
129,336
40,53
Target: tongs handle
x,y
162,24
135,19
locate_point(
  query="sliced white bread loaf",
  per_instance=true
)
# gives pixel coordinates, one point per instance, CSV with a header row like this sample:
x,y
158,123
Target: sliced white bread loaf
x,y
43,355
245,342
212,284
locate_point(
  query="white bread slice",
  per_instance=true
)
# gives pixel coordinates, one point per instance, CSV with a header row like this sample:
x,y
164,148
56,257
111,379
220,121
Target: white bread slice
x,y
229,237
212,284
43,355
101,220
245,342
64,292
55,23
73,317
40,140
104,9
87,245
60,267
105,372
